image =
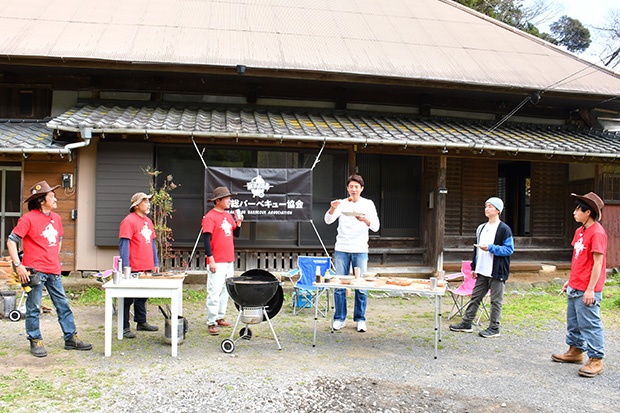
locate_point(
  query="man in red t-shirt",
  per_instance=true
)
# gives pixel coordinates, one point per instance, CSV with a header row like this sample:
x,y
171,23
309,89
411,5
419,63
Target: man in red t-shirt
x,y
137,250
584,288
40,230
218,229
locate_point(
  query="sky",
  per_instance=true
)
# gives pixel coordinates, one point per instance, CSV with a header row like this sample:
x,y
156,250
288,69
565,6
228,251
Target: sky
x,y
589,13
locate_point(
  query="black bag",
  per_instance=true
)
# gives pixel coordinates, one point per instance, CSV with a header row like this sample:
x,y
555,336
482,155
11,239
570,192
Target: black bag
x,y
35,280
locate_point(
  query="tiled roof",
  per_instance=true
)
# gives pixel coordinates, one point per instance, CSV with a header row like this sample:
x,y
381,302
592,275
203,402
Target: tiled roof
x,y
27,136
338,126
418,40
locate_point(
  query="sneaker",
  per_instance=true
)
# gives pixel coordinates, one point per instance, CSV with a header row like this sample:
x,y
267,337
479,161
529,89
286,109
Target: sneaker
x,y
146,327
37,349
489,332
338,324
361,326
127,333
74,343
223,323
462,327
212,329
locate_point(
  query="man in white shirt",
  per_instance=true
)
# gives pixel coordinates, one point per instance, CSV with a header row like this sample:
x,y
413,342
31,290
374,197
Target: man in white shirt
x,y
491,266
355,215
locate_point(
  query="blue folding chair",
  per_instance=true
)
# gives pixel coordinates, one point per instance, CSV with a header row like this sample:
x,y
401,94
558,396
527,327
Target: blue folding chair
x,y
303,291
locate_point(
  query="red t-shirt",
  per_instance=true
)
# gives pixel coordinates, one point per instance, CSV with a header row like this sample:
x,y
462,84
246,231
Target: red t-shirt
x,y
140,233
41,239
221,226
585,242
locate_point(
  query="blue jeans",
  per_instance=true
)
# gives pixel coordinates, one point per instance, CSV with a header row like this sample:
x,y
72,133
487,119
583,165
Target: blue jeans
x,y
343,262
53,284
583,323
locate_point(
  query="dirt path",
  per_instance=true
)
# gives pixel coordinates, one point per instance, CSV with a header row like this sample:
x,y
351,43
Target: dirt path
x,y
389,368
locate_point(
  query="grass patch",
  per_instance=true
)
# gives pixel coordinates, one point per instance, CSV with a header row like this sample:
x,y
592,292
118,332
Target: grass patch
x,y
91,296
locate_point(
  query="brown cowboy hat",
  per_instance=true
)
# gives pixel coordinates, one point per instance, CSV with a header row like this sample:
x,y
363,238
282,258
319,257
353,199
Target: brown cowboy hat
x,y
221,192
594,201
39,189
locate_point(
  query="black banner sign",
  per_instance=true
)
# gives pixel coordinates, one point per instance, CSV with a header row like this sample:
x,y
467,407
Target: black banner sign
x,y
265,194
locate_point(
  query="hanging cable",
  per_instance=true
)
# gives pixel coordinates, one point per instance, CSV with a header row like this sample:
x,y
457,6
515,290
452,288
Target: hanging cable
x,y
191,257
318,157
199,153
536,96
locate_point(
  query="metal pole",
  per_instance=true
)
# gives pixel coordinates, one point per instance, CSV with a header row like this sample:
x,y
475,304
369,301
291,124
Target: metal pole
x,y
194,250
323,245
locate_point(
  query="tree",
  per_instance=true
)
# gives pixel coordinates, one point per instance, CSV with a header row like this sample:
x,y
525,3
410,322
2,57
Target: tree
x,y
571,34
161,205
566,32
611,54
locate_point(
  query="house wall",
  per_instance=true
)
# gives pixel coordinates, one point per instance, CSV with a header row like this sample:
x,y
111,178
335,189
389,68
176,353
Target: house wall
x,y
50,168
89,257
611,223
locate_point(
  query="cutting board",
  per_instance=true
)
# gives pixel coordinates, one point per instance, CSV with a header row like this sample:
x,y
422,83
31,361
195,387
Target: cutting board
x,y
163,276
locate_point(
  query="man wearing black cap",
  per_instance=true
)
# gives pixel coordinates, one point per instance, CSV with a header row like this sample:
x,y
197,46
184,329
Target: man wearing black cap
x,y
137,250
41,232
218,229
584,288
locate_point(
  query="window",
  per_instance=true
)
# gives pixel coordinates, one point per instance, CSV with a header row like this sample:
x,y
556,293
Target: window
x,y
25,102
611,187
10,200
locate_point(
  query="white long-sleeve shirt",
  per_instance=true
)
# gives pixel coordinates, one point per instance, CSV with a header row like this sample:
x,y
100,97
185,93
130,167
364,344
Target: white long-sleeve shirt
x,y
353,234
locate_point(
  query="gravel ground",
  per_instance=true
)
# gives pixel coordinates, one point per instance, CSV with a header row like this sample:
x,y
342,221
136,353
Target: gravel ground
x,y
390,368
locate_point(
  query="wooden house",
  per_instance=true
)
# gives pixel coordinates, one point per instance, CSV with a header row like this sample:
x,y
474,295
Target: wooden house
x,y
436,106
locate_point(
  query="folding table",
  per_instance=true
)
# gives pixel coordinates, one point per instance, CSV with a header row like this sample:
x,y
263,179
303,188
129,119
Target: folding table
x,y
420,289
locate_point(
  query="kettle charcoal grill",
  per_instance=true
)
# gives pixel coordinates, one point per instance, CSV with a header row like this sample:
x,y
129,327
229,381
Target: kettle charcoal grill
x,y
258,296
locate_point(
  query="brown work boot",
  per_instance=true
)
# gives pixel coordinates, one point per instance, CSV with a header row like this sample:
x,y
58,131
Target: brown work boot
x,y
592,368
573,355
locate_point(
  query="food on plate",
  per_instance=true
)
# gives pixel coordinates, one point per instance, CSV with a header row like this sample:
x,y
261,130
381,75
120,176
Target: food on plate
x,y
350,199
403,282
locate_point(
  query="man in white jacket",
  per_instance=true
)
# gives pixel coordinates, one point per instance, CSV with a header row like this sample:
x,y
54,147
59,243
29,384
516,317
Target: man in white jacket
x,y
356,216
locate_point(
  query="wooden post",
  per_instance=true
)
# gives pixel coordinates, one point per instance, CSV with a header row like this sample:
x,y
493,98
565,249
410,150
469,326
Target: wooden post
x,y
440,214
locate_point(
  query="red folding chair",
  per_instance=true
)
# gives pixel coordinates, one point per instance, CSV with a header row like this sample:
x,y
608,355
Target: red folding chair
x,y
464,290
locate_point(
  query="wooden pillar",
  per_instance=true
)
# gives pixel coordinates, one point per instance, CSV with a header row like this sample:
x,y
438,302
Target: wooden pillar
x,y
440,215
352,160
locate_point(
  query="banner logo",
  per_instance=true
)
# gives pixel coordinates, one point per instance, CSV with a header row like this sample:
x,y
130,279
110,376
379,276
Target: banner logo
x,y
258,186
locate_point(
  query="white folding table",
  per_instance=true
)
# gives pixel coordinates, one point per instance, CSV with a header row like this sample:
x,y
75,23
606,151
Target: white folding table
x,y
163,287
420,289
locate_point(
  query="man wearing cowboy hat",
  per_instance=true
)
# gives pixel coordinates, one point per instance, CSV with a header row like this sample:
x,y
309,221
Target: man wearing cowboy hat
x,y
137,250
41,232
218,228
584,288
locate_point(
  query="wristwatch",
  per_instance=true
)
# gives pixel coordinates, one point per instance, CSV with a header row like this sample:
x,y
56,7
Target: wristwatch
x,y
17,264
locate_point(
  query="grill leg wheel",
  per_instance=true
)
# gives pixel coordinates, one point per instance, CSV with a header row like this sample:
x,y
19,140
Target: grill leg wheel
x,y
15,315
245,333
228,346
